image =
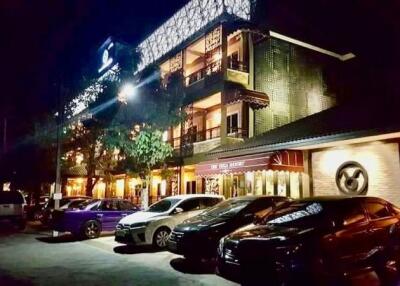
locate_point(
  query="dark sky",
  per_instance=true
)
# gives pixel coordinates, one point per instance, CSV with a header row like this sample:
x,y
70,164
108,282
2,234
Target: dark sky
x,y
43,38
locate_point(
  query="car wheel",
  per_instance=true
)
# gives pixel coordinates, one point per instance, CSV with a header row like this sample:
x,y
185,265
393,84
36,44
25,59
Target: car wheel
x,y
161,237
91,229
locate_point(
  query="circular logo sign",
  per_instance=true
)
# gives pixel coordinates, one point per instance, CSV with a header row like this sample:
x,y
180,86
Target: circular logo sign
x,y
105,57
352,179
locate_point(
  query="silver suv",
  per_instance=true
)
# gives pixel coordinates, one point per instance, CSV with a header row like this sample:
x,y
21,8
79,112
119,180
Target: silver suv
x,y
12,206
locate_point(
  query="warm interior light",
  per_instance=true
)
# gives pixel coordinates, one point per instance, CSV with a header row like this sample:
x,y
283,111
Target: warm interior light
x,y
217,57
165,136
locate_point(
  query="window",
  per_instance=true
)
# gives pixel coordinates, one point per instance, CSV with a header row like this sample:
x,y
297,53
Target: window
x,y
377,210
353,214
190,205
232,123
209,202
125,206
109,206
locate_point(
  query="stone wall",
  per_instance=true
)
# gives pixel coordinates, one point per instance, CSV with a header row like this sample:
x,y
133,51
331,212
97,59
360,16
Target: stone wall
x,y
381,161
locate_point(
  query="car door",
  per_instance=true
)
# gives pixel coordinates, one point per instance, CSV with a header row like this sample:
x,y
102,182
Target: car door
x,y
108,214
350,242
381,223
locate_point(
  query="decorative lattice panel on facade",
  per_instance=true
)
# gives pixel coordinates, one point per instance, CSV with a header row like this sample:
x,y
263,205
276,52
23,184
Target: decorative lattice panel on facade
x,y
185,23
293,78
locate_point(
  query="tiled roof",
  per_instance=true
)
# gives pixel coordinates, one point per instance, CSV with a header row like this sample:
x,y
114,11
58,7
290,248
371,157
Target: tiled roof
x,y
339,123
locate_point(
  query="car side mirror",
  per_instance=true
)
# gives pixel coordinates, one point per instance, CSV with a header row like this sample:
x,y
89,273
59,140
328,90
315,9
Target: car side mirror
x,y
178,210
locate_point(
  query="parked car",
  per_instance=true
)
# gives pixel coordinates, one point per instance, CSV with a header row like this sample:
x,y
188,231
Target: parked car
x,y
34,211
89,218
206,229
326,236
65,203
154,225
12,206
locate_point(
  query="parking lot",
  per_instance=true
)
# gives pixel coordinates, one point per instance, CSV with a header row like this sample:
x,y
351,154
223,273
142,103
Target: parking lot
x,y
33,257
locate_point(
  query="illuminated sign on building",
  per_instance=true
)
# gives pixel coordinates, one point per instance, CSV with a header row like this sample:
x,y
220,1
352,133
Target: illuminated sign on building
x,y
193,17
352,179
107,59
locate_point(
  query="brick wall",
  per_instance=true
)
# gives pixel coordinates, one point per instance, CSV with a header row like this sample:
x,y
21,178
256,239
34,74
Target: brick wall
x,y
381,161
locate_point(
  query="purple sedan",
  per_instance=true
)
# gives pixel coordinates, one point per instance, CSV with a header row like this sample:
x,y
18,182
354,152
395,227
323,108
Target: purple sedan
x,y
92,217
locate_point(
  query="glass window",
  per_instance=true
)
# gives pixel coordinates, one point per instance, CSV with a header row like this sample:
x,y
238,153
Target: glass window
x,y
109,205
232,123
11,198
163,205
377,210
299,214
190,205
228,208
77,204
209,202
125,206
352,214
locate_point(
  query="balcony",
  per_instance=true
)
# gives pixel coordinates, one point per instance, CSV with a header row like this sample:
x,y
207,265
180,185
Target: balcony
x,y
239,133
212,69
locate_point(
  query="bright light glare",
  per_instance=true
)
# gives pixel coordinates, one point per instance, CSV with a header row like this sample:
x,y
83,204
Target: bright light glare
x,y
127,91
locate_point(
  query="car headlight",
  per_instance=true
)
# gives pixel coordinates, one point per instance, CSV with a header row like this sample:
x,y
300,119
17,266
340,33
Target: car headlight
x,y
139,224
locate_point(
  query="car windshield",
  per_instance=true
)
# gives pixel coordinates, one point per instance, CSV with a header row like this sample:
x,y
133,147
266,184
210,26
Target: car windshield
x,y
298,214
163,205
50,203
11,198
227,208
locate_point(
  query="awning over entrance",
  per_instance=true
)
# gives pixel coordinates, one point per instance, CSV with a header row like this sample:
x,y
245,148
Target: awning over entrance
x,y
256,99
287,160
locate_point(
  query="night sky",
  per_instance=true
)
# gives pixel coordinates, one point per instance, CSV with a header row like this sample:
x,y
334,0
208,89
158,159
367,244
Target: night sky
x,y
43,39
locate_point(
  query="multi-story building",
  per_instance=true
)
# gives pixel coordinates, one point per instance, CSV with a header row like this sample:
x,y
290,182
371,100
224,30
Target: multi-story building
x,y
240,80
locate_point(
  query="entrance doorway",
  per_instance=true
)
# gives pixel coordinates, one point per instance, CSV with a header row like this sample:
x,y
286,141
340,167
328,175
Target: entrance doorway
x,y
234,186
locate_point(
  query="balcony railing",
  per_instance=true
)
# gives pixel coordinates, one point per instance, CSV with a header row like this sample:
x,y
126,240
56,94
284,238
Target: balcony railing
x,y
236,132
199,136
209,70
237,65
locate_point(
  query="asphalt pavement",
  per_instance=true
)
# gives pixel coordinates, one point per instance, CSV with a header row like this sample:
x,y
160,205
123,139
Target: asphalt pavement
x,y
34,257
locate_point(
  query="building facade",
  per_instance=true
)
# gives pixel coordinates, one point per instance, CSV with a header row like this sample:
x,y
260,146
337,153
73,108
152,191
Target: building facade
x,y
240,81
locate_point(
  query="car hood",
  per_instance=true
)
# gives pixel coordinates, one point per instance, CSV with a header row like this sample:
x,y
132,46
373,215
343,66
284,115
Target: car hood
x,y
201,222
268,232
142,216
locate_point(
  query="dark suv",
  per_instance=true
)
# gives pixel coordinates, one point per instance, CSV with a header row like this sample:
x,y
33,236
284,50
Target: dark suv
x,y
326,236
206,229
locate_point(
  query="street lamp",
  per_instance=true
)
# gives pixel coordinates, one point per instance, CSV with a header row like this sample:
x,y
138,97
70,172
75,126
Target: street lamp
x,y
127,91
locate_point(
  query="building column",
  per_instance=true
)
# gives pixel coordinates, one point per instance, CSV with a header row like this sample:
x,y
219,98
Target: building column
x,y
224,124
307,181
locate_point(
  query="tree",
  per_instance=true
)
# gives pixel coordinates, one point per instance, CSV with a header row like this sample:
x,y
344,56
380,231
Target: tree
x,y
150,151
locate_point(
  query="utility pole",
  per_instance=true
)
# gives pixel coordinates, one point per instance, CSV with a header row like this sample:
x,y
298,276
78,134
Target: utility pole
x,y
57,196
5,135
60,126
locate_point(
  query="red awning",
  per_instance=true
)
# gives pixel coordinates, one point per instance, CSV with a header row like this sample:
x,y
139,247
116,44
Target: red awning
x,y
281,161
